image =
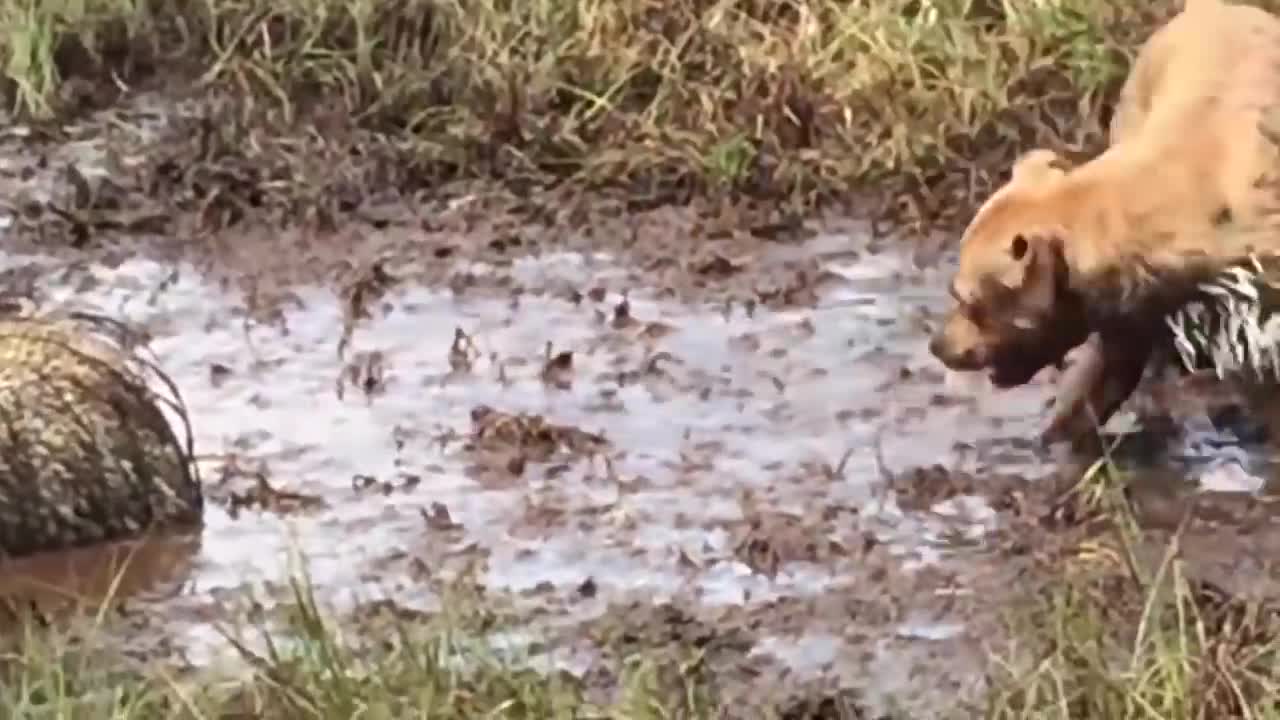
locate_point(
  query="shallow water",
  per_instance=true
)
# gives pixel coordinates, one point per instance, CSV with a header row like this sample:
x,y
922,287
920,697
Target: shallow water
x,y
743,404
745,422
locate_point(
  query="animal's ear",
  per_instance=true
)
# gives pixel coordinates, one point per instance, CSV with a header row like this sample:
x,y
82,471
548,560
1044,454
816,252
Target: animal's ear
x,y
1021,251
1044,271
1039,166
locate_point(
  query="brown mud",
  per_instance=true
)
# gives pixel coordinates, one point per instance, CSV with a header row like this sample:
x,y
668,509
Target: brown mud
x,y
704,427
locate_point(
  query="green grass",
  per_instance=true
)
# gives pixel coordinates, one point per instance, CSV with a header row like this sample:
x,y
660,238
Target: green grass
x,y
1126,639
801,99
384,664
1095,640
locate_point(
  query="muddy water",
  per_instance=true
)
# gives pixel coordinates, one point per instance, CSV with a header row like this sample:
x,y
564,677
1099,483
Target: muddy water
x,y
717,420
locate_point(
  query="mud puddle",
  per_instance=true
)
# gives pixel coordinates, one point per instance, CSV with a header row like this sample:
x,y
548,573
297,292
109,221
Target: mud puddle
x,y
579,453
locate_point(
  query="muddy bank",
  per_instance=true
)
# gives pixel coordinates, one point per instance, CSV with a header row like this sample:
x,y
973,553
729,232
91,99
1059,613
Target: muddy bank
x,y
663,100
590,438
713,425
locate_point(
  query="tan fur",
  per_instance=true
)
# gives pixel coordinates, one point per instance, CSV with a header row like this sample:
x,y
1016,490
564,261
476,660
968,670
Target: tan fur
x,y
1058,255
1188,145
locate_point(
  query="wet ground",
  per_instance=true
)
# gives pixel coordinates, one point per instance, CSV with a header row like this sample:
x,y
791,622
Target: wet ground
x,y
642,428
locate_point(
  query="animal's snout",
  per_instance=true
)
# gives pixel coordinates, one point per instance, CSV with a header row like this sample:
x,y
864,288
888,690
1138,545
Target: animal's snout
x,y
938,346
956,355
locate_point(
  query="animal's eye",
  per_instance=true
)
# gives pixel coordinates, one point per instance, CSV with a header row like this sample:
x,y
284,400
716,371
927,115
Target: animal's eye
x,y
976,315
1018,248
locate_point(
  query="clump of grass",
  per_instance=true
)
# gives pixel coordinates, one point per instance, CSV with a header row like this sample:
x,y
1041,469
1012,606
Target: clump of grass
x,y
383,662
801,99
37,37
410,666
1118,640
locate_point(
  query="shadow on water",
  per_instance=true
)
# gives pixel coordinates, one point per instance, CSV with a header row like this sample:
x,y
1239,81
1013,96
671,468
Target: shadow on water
x,y
88,577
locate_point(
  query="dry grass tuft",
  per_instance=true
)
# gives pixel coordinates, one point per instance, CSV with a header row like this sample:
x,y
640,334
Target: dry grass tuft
x,y
921,102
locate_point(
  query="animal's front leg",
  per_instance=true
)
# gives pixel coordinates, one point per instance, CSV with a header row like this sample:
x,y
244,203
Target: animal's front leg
x,y
1108,370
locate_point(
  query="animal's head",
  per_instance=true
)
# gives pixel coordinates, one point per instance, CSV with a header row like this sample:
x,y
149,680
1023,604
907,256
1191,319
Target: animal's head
x,y
1014,314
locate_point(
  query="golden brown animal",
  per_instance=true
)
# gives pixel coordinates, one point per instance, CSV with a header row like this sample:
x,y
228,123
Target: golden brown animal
x,y
1103,251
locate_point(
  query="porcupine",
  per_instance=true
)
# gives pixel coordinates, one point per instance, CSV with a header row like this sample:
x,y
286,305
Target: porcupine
x,y
86,453
1232,326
